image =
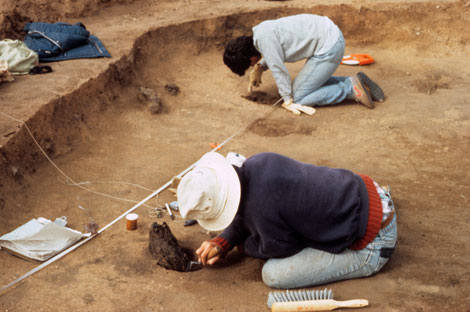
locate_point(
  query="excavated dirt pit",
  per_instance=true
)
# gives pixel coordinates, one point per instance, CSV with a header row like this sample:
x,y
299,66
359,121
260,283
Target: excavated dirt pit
x,y
96,126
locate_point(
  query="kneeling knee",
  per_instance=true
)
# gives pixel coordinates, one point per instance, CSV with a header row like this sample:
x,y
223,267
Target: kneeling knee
x,y
270,277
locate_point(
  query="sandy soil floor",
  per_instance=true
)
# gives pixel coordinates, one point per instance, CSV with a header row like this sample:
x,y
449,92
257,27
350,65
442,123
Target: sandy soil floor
x,y
88,116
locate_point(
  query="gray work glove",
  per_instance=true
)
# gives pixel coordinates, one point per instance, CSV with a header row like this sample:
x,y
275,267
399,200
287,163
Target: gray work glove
x,y
297,109
255,77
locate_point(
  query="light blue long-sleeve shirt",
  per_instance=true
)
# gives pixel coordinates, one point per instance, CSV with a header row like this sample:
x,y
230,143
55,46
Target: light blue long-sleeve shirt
x,y
290,39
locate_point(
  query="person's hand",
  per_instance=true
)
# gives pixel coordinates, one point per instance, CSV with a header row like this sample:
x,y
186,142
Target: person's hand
x,y
255,77
203,253
297,109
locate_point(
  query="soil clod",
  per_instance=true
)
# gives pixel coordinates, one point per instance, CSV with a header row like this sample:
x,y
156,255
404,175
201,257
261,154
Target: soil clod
x,y
165,248
155,107
149,96
172,88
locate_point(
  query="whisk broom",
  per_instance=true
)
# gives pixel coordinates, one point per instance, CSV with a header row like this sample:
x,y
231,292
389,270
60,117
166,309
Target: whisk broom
x,y
309,300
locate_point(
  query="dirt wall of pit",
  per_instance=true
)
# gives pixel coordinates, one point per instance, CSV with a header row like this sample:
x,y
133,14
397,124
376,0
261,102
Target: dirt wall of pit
x,y
63,122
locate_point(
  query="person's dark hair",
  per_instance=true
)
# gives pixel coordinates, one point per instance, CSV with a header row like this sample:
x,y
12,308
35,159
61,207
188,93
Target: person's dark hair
x,y
238,52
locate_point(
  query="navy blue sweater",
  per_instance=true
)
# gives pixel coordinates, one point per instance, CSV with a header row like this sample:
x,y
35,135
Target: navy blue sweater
x,y
287,205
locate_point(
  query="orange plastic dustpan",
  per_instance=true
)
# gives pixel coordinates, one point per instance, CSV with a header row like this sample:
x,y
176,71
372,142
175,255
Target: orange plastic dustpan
x,y
357,59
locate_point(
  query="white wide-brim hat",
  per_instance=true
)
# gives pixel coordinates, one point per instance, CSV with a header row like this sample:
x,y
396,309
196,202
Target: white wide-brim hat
x,y
210,193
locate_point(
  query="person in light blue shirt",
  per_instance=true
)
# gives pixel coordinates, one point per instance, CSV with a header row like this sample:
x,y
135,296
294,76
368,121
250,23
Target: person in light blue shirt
x,y
293,38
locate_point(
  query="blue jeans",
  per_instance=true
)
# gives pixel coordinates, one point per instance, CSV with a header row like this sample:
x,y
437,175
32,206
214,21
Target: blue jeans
x,y
311,267
315,85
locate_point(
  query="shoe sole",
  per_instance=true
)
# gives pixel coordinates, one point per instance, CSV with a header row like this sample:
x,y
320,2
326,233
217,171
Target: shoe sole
x,y
376,92
362,96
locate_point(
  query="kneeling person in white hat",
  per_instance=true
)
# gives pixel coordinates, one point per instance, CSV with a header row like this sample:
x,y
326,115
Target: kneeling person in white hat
x,y
313,225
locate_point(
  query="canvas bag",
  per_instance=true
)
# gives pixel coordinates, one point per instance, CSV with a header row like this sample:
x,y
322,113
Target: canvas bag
x,y
18,56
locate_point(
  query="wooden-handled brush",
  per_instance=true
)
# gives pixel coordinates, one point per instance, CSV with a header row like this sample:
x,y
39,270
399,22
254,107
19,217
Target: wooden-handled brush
x,y
318,305
314,300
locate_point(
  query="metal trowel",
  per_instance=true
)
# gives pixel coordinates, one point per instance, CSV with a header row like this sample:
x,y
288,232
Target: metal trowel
x,y
197,265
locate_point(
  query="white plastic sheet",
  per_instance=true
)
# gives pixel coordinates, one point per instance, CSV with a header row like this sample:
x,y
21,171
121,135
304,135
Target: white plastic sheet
x,y
40,239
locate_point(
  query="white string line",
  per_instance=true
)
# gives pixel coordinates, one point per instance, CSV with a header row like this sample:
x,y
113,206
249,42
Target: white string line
x,y
108,182
66,182
62,172
73,247
247,126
